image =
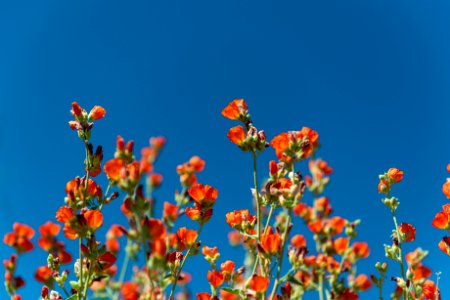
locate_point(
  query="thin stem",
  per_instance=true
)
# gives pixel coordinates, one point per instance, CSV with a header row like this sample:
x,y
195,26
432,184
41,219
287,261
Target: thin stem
x,y
177,274
81,267
320,288
281,254
123,271
258,200
272,208
400,258
105,196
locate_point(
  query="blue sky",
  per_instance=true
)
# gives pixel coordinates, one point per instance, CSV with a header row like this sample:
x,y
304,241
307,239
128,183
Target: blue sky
x,y
370,76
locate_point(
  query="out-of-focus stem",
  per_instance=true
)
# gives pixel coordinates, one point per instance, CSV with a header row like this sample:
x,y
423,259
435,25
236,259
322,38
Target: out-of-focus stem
x,y
281,254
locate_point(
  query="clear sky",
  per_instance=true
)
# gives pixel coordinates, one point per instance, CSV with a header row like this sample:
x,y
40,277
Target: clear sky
x,y
372,77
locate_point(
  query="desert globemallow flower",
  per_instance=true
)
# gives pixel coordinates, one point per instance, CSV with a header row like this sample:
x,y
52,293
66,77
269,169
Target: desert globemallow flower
x,y
236,110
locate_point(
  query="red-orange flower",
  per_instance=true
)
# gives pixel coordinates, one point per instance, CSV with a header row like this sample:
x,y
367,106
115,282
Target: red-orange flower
x,y
429,290
446,188
203,296
94,219
298,241
395,175
237,135
215,278
271,242
96,113
43,275
204,195
259,284
408,231
227,267
442,218
130,291
340,245
236,110
113,168
20,238
170,211
211,254
361,249
295,145
362,283
240,219
187,236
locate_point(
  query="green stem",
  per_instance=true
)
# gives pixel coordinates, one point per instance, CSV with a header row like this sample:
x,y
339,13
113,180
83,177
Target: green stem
x,y
123,272
177,274
80,296
400,258
272,208
258,200
281,254
320,287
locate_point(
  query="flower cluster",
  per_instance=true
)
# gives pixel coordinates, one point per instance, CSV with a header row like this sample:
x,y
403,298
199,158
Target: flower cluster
x,y
442,218
145,256
413,281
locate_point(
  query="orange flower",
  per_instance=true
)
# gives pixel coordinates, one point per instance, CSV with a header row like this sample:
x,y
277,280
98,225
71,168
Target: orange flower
x,y
203,296
237,135
298,241
316,226
421,272
236,110
76,188
271,242
383,186
227,267
215,278
130,291
444,245
113,168
429,290
295,145
323,206
187,236
340,245
362,283
48,233
204,195
20,238
153,229
197,163
446,188
94,219
96,113
361,249
395,175
187,171
76,111
259,284
211,254
43,275
281,143
442,220
240,219
408,231
170,211
336,224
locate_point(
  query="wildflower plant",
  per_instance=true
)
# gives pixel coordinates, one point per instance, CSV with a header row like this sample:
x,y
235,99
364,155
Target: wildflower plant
x,y
279,262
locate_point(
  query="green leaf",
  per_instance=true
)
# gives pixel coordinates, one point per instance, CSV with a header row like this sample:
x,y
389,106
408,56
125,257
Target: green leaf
x,y
230,290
